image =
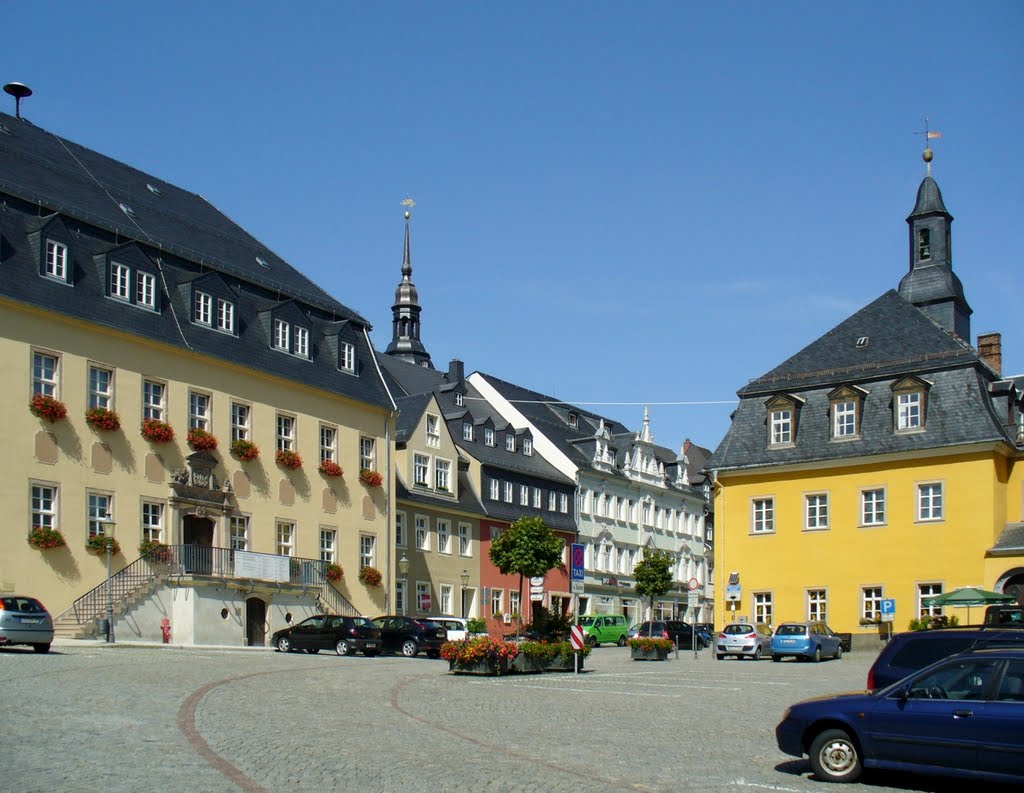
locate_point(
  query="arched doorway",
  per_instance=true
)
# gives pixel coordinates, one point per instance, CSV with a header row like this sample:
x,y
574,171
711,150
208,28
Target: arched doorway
x,y
1012,583
255,622
197,535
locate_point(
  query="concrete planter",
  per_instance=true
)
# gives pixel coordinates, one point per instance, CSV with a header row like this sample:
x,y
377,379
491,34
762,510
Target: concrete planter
x,y
487,666
526,664
654,654
558,664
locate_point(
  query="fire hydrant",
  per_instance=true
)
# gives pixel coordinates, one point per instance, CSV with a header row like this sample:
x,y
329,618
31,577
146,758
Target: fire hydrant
x,y
165,629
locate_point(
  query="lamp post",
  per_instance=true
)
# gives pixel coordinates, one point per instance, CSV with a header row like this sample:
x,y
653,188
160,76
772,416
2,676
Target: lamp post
x,y
465,583
108,532
403,570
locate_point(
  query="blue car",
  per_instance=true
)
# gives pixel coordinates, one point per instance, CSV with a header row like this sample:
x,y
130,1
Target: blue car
x,y
806,641
962,716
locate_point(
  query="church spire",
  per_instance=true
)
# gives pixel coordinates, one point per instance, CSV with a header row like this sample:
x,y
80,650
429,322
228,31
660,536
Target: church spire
x,y
405,313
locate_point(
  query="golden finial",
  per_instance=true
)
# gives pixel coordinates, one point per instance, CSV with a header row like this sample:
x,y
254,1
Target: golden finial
x,y
408,203
929,134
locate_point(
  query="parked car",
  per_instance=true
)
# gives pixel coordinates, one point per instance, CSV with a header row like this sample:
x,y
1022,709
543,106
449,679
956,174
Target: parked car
x,y
344,635
806,640
744,640
905,653
605,628
24,620
1004,615
681,633
411,636
457,628
963,716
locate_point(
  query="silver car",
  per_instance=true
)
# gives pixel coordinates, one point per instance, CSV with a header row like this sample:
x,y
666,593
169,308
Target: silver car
x,y
24,620
744,640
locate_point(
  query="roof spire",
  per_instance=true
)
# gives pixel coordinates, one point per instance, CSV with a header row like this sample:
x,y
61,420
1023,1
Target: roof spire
x,y
645,434
408,203
405,313
928,154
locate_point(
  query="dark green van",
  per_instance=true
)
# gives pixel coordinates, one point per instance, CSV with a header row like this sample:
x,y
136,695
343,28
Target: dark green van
x,y
603,628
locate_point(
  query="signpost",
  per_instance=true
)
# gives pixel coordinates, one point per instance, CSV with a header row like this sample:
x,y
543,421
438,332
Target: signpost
x,y
691,602
577,553
578,638
889,613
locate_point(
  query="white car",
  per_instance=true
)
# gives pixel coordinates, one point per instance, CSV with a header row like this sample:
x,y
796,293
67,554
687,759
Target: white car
x,y
456,627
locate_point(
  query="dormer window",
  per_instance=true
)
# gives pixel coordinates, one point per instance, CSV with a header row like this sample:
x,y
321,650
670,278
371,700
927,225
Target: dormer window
x,y
528,447
846,406
282,335
202,308
291,338
145,289
924,244
574,420
119,277
783,413
467,431
510,442
909,404
433,431
347,356
782,426
458,399
57,260
225,316
301,342
488,436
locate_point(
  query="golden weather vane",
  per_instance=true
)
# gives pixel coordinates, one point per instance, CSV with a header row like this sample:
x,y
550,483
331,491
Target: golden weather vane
x,y
929,135
408,203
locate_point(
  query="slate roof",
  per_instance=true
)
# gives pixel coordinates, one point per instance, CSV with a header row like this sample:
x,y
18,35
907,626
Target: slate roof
x,y
179,237
468,500
1010,542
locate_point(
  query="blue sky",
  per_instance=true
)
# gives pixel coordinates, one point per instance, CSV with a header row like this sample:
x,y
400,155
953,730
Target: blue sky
x,y
615,203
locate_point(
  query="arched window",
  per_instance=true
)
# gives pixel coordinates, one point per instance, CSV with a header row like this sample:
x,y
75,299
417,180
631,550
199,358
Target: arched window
x,y
924,244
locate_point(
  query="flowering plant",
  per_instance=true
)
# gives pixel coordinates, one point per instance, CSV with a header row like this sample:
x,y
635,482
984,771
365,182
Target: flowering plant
x,y
648,643
47,407
98,544
44,538
201,440
157,431
286,458
370,478
330,468
370,576
245,450
103,419
155,551
481,649
333,572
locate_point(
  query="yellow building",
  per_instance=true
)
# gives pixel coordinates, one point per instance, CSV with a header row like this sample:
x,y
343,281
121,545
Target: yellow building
x,y
130,311
881,462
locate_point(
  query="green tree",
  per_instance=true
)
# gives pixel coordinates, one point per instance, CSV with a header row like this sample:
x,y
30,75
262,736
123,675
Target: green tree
x,y
653,575
528,547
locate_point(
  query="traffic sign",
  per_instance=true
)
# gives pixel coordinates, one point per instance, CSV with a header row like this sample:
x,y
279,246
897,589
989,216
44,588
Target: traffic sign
x,y
691,599
577,637
693,584
576,587
577,561
888,609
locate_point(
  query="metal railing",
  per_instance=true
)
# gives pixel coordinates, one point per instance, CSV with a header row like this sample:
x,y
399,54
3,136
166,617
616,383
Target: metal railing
x,y
199,561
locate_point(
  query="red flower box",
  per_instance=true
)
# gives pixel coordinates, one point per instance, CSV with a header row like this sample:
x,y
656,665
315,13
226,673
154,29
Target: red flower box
x,y
333,572
201,440
47,407
370,576
245,450
286,458
330,468
370,478
103,419
45,539
156,431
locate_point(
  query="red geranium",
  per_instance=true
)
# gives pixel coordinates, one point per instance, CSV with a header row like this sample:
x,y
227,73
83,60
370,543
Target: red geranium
x,y
157,431
47,407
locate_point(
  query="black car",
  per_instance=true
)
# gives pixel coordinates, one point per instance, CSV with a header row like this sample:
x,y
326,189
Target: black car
x,y
344,635
678,631
908,652
409,636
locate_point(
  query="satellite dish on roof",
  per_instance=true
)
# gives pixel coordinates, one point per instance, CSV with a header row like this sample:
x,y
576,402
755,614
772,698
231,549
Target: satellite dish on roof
x,y
19,91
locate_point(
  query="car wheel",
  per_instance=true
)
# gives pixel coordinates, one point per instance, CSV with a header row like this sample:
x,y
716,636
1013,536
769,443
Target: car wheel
x,y
817,654
342,648
409,648
284,645
776,658
834,757
622,641
757,654
720,656
592,641
839,653
41,648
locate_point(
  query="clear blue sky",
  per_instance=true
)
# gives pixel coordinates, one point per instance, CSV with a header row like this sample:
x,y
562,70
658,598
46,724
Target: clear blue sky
x,y
615,202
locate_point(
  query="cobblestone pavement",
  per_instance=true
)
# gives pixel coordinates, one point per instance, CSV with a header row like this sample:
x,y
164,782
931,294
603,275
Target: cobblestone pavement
x,y
99,718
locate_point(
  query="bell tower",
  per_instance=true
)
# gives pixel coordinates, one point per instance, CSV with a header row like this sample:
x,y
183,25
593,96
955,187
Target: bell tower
x,y
405,313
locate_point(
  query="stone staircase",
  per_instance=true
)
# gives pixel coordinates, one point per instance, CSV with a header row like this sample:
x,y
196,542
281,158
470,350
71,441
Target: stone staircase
x,y
66,625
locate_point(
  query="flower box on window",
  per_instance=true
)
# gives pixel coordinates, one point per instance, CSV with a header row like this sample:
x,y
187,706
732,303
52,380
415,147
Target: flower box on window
x,y
47,407
201,440
45,539
330,468
333,572
370,478
246,451
156,431
98,544
286,458
370,576
103,419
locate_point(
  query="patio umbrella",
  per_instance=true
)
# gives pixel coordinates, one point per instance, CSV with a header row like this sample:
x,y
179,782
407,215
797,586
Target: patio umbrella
x,y
967,596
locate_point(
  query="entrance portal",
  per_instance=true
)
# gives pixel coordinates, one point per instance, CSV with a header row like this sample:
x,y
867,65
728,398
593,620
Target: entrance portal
x,y
255,622
198,540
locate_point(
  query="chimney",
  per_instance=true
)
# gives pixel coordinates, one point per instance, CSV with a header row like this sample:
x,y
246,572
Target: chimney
x,y
456,371
990,348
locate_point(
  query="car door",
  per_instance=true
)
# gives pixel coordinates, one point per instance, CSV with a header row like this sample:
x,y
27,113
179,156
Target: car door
x,y
830,641
306,634
933,719
389,629
1000,730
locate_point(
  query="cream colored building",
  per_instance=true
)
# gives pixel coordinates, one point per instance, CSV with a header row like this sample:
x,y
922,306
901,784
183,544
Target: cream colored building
x,y
122,292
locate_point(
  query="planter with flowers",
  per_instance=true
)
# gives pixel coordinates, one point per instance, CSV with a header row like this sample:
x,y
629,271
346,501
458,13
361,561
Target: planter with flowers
x,y
286,458
330,468
562,657
156,431
201,440
98,544
154,551
370,576
370,478
480,656
47,407
244,450
644,648
103,419
45,539
533,657
333,572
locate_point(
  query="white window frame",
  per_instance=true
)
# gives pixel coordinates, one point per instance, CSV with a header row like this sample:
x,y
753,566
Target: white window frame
x,y
515,602
238,532
285,432
497,602
421,470
467,431
909,411
524,495
282,335
508,492
241,418
401,536
844,418
422,523
301,341
465,539
528,447
347,356
488,436
872,506
762,515
433,431
44,500
537,498
495,490
816,511
145,289
401,606
552,501
445,606
423,588
444,536
367,550
152,521
199,410
225,315
871,598
154,399
931,506
763,607
782,426
57,260
817,605
284,531
99,511
202,308
443,475
45,374
458,399
563,503
510,441
926,590
328,443
367,453
328,544
101,387
120,280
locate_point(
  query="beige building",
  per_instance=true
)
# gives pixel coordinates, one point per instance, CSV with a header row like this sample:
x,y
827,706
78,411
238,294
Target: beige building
x,y
129,310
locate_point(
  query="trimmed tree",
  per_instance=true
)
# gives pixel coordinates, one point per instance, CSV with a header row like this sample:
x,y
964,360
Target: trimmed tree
x,y
528,547
653,575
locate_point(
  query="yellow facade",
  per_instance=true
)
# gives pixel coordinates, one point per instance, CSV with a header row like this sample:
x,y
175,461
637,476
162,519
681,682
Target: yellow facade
x,y
78,461
982,491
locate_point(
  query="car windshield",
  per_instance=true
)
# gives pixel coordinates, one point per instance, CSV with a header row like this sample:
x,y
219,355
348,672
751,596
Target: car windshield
x,y
791,630
584,621
739,628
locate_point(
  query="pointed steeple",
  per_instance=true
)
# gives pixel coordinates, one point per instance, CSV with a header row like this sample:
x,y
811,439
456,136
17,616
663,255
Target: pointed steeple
x,y
405,313
931,284
645,433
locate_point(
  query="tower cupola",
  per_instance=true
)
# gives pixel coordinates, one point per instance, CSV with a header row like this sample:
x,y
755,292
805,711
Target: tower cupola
x,y
405,313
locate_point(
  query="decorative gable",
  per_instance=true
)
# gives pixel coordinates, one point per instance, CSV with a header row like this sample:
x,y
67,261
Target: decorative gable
x,y
212,302
290,329
910,404
783,419
846,412
52,245
130,276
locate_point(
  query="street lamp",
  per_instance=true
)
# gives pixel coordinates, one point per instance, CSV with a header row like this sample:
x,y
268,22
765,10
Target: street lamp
x,y
465,583
403,570
108,532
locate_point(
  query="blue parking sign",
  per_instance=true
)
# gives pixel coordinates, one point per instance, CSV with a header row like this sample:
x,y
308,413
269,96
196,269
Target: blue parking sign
x,y
889,606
